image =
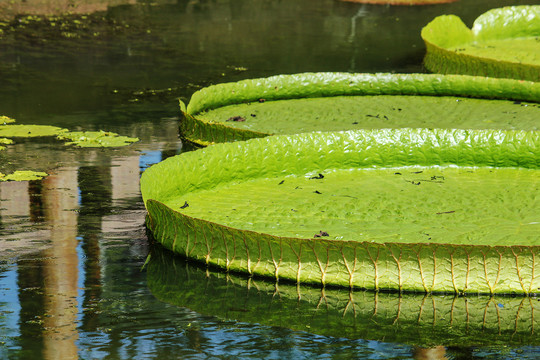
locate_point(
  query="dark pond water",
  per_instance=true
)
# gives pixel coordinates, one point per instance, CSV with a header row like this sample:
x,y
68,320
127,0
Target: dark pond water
x,y
72,247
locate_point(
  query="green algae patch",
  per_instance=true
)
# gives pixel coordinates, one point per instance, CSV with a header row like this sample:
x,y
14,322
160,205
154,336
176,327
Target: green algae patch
x,y
96,139
413,319
389,209
290,104
502,42
23,175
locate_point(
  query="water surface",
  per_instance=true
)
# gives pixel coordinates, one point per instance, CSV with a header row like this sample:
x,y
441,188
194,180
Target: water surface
x,y
72,246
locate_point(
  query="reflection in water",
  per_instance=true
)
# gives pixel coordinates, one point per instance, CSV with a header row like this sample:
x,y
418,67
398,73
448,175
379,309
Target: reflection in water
x,y
70,201
435,353
60,266
416,319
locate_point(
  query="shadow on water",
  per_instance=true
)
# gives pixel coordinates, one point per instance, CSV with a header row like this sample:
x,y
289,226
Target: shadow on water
x,y
72,246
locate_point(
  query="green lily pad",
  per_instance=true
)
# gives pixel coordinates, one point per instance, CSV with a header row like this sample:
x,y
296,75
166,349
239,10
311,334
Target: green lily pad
x,y
96,139
414,319
5,141
78,138
23,175
291,104
29,130
502,42
4,120
398,209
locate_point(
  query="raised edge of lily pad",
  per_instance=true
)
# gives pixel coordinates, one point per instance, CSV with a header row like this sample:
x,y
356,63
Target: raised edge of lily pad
x,y
503,42
423,266
195,128
415,319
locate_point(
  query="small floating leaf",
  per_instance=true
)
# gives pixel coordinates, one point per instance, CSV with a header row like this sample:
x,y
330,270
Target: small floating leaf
x,y
4,120
96,139
23,175
29,130
321,233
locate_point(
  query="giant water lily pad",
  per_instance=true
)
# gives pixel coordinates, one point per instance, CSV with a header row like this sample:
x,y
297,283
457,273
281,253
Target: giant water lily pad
x,y
402,209
291,104
502,42
415,319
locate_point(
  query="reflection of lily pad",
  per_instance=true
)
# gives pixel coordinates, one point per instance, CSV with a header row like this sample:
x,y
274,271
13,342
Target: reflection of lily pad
x,y
405,209
291,104
502,42
23,175
415,319
96,139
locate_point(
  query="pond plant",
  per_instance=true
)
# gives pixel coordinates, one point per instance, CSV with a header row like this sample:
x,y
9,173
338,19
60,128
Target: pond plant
x,y
502,42
290,104
422,210
10,131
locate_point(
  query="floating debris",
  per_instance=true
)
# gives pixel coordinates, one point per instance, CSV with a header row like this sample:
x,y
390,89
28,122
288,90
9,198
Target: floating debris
x,y
186,205
236,118
321,234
